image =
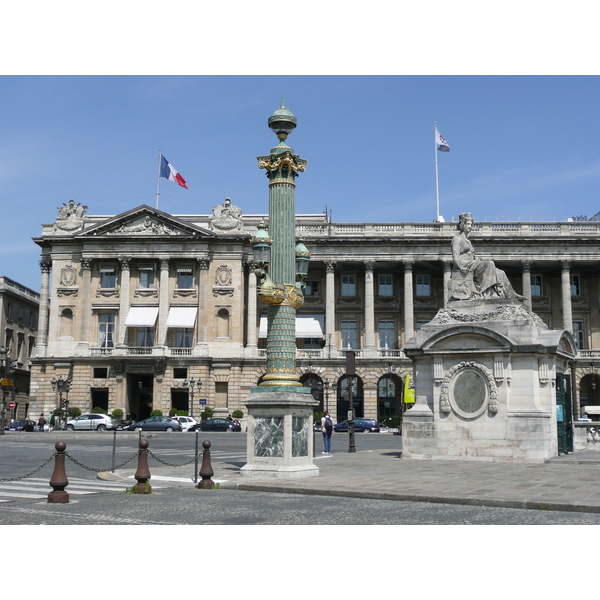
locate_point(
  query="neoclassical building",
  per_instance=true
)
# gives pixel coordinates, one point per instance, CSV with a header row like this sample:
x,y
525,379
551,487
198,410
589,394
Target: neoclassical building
x,y
142,302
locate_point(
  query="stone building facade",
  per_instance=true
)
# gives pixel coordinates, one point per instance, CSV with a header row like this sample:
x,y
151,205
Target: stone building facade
x,y
19,310
142,302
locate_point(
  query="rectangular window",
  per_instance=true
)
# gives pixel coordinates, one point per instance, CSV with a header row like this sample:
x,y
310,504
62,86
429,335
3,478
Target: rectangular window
x,y
106,330
348,285
146,276
579,335
349,335
108,276
185,277
180,372
386,335
144,337
100,372
536,285
221,394
385,285
423,285
183,337
312,286
575,285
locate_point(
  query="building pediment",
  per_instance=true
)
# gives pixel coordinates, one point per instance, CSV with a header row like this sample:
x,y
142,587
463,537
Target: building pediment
x,y
145,221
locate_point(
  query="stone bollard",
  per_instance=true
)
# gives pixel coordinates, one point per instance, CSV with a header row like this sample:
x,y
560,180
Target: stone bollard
x,y
59,479
206,470
143,472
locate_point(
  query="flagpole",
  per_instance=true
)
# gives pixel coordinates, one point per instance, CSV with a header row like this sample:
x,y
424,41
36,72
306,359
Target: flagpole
x,y
158,179
437,188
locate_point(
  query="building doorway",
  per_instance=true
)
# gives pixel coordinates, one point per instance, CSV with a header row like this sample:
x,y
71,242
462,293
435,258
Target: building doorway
x,y
100,399
180,400
140,394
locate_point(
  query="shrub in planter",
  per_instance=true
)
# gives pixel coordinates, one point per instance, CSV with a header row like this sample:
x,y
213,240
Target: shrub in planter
x,y
237,414
74,412
207,413
99,410
156,413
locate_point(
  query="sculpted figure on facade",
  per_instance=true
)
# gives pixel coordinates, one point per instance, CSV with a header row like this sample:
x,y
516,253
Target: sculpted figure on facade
x,y
226,216
472,277
70,216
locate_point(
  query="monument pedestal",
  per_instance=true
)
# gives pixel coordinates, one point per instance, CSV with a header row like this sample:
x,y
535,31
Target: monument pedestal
x,y
485,379
280,426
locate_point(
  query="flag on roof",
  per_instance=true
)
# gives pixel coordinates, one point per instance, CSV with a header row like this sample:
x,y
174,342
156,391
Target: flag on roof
x,y
441,142
168,172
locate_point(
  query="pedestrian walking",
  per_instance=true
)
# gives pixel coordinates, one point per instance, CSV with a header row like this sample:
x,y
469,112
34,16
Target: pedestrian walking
x,y
41,422
327,429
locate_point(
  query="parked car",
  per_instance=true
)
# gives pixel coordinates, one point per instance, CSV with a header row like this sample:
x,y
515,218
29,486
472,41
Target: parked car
x,y
156,424
21,425
364,425
186,422
217,425
91,422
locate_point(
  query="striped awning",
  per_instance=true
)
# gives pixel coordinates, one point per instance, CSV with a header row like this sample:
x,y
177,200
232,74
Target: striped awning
x,y
306,327
182,316
142,316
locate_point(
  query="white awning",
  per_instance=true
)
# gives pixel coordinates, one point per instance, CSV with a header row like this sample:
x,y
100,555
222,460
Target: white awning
x,y
306,327
142,316
182,316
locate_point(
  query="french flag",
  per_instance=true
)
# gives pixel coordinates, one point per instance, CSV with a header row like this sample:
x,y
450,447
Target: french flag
x,y
168,172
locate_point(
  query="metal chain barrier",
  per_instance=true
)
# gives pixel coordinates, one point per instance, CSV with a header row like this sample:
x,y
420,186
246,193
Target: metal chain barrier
x,y
32,472
79,464
189,462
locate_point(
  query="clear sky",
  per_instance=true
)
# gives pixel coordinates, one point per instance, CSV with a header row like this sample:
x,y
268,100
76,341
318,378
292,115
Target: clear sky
x,y
521,147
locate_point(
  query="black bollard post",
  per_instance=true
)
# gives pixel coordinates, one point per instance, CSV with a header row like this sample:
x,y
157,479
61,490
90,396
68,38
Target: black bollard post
x,y
206,470
59,479
143,472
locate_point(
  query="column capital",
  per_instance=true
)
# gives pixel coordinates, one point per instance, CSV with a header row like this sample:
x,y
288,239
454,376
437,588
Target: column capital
x,y
125,262
330,266
86,263
204,263
45,264
408,264
526,264
164,264
565,265
369,265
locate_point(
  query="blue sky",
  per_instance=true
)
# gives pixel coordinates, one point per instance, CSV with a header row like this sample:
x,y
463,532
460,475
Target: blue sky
x,y
522,147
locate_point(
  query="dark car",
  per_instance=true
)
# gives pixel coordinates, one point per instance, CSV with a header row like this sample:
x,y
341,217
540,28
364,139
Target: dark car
x,y
155,424
364,425
217,425
22,425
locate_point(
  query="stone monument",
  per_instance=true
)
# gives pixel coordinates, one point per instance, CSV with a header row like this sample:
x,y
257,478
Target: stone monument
x,y
485,370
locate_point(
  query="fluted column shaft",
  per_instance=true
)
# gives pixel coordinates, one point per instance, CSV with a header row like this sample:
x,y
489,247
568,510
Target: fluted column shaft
x,y
124,297
369,309
565,277
163,302
42,335
330,305
527,283
408,301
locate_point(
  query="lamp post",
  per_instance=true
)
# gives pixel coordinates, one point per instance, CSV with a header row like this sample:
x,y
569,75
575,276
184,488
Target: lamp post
x,y
4,359
326,388
62,386
280,264
190,386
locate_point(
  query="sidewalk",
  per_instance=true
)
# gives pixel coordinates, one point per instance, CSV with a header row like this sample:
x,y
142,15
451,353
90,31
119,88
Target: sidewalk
x,y
569,483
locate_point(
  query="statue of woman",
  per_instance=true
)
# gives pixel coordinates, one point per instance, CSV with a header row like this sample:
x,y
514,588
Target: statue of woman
x,y
488,280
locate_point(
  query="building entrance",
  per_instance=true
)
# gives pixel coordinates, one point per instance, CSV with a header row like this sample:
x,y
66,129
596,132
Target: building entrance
x,y
140,395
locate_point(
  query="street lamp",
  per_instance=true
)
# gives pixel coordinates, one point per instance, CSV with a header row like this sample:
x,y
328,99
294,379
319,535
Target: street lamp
x,y
4,361
326,388
190,387
62,386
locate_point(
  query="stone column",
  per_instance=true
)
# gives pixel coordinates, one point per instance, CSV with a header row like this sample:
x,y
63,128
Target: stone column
x,y
163,302
566,296
330,307
447,274
409,318
202,318
370,349
251,333
42,335
526,264
124,297
85,331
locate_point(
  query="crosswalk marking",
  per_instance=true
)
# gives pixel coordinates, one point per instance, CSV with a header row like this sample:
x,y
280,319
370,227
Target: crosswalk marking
x,y
35,487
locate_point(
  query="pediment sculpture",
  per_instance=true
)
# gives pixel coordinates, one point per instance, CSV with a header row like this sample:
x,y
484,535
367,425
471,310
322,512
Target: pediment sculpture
x,y
70,216
226,216
149,226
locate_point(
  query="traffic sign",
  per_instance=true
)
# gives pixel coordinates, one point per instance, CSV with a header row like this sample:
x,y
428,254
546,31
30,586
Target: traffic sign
x,y
12,405
6,382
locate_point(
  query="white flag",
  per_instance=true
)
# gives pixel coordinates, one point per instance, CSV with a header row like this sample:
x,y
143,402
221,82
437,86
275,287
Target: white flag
x,y
442,144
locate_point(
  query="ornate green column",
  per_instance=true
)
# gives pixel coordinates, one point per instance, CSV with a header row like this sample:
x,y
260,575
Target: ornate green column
x,y
281,287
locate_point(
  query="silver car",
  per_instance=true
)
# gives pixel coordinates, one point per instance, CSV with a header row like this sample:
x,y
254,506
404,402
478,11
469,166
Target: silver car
x,y
91,422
